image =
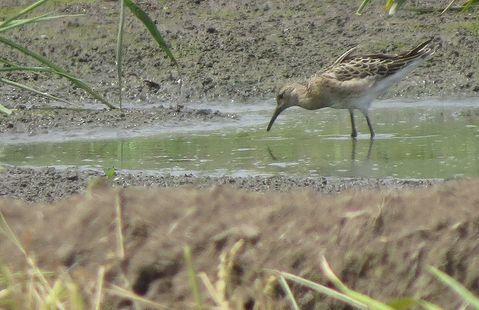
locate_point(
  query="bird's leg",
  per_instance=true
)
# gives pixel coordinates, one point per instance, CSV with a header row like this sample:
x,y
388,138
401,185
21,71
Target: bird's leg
x,y
354,133
371,130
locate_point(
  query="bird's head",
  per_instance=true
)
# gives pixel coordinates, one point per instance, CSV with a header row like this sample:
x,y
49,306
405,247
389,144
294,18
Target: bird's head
x,y
288,96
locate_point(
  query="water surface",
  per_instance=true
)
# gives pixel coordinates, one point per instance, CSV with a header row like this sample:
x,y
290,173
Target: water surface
x,y
428,139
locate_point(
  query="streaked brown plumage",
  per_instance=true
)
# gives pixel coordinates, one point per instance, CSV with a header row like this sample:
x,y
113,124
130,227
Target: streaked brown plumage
x,y
352,82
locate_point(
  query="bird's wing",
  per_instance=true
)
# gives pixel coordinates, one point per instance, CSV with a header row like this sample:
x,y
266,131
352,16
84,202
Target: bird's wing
x,y
379,66
344,55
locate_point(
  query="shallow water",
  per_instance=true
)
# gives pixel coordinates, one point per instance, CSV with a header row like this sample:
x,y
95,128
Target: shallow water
x,y
428,139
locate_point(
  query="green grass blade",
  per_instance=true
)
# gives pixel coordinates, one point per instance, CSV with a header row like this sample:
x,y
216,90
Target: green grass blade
x,y
119,52
5,110
408,303
389,4
289,294
456,286
13,68
193,278
448,6
37,69
127,294
42,18
8,232
30,89
362,6
361,298
79,83
23,12
393,5
429,306
150,25
320,289
469,5
6,62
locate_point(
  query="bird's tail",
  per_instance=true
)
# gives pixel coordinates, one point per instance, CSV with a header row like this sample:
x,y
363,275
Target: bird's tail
x,y
424,49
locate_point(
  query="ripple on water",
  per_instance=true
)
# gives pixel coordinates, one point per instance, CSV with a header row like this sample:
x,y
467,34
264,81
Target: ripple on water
x,y
411,141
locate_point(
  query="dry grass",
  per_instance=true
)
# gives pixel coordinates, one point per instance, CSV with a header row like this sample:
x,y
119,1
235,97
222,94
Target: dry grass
x,y
115,235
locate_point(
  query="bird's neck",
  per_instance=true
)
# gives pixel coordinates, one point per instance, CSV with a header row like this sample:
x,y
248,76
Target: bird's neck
x,y
308,99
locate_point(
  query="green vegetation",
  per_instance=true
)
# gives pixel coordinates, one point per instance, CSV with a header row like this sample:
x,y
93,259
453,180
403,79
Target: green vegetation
x,y
17,20
361,301
110,172
470,26
392,6
473,27
149,24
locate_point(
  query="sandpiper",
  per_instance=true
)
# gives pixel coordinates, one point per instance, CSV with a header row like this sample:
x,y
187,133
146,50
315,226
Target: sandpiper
x,y
352,82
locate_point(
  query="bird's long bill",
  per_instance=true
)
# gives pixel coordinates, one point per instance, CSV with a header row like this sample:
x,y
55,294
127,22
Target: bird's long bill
x,y
275,115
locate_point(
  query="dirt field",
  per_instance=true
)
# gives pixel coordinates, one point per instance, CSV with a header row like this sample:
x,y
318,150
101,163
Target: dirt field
x,y
243,49
380,243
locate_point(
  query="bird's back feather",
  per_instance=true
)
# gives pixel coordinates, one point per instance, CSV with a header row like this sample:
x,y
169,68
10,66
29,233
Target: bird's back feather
x,y
348,67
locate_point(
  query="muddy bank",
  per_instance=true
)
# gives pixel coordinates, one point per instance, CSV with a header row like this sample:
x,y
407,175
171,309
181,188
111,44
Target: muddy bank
x,y
50,184
239,50
38,121
379,243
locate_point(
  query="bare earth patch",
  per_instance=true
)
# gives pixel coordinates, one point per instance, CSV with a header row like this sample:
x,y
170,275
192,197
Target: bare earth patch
x,y
380,243
49,184
38,121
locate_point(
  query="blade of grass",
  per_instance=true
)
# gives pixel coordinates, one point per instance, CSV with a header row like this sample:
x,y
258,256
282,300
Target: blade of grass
x,y
192,277
362,6
429,306
99,287
456,286
5,110
289,294
389,4
120,245
210,288
320,288
12,68
54,296
26,10
42,18
469,4
37,276
119,53
363,299
393,5
6,61
150,25
58,70
30,89
76,299
121,292
448,6
408,303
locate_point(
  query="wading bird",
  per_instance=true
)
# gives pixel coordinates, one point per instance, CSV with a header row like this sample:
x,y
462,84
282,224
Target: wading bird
x,y
352,82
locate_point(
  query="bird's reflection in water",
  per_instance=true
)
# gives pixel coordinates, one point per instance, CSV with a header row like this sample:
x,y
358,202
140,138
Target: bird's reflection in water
x,y
270,152
363,162
354,149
